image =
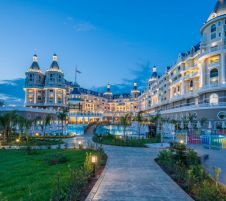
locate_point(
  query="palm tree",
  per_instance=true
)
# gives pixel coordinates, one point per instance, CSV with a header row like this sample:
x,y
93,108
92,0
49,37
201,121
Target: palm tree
x,y
45,122
21,124
63,117
139,119
7,123
125,121
27,126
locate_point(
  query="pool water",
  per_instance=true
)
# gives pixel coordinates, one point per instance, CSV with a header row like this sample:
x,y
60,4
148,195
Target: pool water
x,y
74,129
115,130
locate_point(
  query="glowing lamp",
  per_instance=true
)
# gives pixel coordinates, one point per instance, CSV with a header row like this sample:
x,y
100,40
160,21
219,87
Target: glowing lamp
x,y
94,159
181,141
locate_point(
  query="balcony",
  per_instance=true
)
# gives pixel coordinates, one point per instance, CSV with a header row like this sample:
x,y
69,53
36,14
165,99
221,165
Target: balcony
x,y
212,50
212,87
214,65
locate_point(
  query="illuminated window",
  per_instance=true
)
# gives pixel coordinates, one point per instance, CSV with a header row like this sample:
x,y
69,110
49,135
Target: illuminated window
x,y
214,99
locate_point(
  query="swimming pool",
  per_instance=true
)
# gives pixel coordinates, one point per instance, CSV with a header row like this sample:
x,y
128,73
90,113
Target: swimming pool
x,y
117,130
74,129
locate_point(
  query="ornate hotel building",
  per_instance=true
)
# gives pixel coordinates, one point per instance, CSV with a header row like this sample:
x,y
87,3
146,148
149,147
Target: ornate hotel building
x,y
51,91
196,84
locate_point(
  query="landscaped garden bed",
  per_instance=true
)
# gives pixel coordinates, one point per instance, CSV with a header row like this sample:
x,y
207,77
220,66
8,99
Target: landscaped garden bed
x,y
33,141
183,165
57,175
127,142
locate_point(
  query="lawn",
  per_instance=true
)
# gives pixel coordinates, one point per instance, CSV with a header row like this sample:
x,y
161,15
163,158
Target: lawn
x,y
117,141
30,177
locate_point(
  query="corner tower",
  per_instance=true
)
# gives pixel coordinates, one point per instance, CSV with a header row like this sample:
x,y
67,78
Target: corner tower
x,y
55,91
213,47
34,83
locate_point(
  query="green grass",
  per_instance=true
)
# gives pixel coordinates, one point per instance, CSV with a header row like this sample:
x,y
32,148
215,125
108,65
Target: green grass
x,y
116,141
22,174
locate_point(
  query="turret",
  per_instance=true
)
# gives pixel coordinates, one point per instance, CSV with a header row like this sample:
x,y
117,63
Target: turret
x,y
34,84
108,94
135,92
55,92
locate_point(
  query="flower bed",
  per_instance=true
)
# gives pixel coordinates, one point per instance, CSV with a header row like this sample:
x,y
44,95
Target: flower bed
x,y
183,165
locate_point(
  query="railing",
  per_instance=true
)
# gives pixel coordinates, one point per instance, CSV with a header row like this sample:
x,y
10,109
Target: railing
x,y
211,50
85,114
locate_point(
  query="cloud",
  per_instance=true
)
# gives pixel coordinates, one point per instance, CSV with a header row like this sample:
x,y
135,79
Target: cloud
x,y
78,25
140,75
84,27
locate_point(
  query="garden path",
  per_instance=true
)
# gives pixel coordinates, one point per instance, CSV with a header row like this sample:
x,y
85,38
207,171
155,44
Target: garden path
x,y
131,174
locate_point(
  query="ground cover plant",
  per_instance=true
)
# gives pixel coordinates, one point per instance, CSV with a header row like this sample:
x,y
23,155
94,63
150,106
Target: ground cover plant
x,y
184,166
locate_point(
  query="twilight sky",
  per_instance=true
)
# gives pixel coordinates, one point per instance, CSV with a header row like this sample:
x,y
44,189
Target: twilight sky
x,y
108,39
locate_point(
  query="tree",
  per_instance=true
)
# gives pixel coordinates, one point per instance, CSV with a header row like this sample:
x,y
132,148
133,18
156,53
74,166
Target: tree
x,y
139,119
45,122
63,117
125,122
7,123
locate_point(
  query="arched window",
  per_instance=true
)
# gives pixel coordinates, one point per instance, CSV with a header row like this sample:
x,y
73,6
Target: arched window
x,y
191,83
213,28
214,100
221,115
214,73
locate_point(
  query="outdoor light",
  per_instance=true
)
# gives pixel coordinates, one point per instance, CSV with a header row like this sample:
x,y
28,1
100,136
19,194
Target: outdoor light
x,y
36,134
94,162
79,142
181,141
17,140
94,159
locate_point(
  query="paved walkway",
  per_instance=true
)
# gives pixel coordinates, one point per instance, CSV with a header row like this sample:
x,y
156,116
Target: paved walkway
x,y
132,175
217,158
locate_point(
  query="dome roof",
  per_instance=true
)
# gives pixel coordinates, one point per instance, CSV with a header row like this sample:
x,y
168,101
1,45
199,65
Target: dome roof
x,y
54,65
154,72
76,91
35,65
219,10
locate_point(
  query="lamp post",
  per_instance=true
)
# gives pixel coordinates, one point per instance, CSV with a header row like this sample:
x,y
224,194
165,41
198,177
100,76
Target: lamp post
x,y
94,162
18,140
79,144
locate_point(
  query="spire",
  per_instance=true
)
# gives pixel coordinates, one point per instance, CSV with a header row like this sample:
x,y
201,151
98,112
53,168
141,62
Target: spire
x,y
54,65
108,92
35,65
219,10
135,89
154,72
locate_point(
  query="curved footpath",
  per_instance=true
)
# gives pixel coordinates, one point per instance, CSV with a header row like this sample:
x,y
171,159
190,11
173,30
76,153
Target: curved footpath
x,y
131,174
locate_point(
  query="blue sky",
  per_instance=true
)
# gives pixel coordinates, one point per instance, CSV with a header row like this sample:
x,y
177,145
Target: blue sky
x,y
108,39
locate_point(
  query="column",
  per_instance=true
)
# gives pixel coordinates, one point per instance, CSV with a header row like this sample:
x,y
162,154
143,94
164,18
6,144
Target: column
x,y
46,94
55,96
182,88
222,68
35,96
202,74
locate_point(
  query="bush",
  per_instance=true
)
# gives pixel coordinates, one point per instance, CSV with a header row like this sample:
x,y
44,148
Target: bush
x,y
88,166
192,158
55,159
165,158
208,192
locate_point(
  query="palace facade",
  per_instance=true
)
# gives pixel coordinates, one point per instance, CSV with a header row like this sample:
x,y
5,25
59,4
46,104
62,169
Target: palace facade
x,y
51,91
196,84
